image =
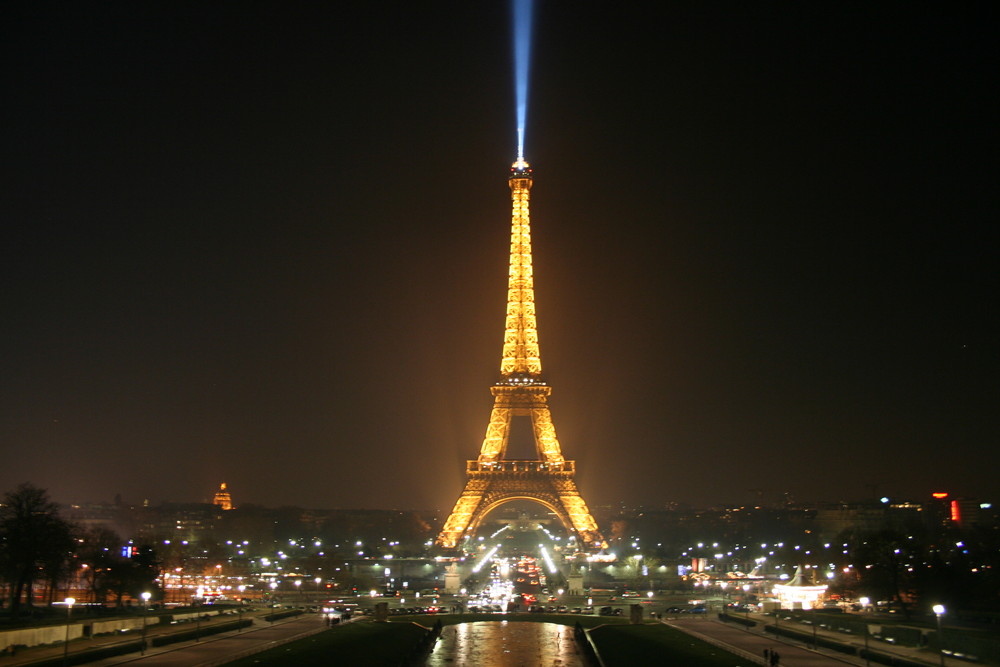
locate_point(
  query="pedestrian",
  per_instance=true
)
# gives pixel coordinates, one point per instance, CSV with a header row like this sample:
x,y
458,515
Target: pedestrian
x,y
775,658
767,656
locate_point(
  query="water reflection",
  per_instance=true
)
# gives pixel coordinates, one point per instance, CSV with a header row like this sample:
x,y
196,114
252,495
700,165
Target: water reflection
x,y
504,644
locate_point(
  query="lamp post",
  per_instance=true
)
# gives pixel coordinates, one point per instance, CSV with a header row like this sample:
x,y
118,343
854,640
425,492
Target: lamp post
x,y
939,612
867,656
69,612
318,581
746,605
145,608
298,587
273,585
197,617
239,626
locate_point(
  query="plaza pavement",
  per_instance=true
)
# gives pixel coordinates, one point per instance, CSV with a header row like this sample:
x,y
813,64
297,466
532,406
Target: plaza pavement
x,y
793,653
221,648
209,650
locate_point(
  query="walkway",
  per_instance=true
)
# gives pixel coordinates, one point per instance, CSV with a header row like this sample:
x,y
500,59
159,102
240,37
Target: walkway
x,y
209,650
754,643
223,648
794,654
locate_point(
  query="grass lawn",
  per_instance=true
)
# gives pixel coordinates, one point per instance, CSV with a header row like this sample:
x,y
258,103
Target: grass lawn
x,y
657,644
358,644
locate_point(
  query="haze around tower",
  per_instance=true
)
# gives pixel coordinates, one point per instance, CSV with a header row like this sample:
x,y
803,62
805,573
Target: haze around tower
x,y
266,243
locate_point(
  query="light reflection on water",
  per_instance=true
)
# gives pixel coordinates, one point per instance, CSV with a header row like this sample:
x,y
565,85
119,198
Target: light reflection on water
x,y
503,644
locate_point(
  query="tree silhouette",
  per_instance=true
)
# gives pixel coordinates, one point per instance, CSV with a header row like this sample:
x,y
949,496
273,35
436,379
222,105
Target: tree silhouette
x,y
34,542
99,551
129,576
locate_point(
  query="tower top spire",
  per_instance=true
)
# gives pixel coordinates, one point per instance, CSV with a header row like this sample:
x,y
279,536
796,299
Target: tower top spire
x,y
521,360
520,168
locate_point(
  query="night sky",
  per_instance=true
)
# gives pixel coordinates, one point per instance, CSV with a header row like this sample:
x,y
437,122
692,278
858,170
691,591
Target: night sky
x,y
251,243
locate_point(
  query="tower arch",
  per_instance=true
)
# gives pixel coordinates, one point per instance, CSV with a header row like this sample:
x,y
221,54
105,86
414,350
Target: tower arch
x,y
499,499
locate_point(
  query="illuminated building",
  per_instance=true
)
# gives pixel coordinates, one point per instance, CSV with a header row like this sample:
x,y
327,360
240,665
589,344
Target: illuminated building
x,y
222,498
799,593
493,479
959,512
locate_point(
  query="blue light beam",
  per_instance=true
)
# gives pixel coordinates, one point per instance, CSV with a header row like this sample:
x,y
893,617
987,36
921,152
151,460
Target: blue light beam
x,y
522,11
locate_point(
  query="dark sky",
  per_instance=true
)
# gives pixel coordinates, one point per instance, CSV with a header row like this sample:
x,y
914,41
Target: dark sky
x,y
268,245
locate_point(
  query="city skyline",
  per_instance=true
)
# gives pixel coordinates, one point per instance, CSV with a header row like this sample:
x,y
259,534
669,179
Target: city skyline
x,y
269,248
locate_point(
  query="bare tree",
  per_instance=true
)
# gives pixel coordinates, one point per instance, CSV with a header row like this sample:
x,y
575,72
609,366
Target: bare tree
x,y
34,541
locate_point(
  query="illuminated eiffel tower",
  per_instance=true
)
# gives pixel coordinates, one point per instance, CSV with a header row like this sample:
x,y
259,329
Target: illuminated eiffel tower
x,y
493,479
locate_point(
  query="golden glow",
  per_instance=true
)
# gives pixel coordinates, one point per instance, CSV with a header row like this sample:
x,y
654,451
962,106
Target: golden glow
x,y
493,480
940,495
799,593
520,341
799,597
222,498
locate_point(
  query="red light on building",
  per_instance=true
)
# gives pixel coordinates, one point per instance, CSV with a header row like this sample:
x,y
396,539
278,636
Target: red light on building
x,y
956,513
939,495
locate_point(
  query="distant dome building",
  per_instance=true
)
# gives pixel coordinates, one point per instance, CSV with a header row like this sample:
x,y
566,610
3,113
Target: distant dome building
x,y
800,592
222,498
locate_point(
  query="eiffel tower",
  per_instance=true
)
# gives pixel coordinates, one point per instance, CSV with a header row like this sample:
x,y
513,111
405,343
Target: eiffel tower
x,y
493,479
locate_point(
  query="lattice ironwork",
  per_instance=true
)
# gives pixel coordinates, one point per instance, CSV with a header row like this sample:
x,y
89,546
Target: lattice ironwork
x,y
492,479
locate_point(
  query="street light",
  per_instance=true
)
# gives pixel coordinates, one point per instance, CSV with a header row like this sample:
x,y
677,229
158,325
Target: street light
x,y
273,585
239,626
938,610
69,612
318,580
867,655
145,608
746,606
298,587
